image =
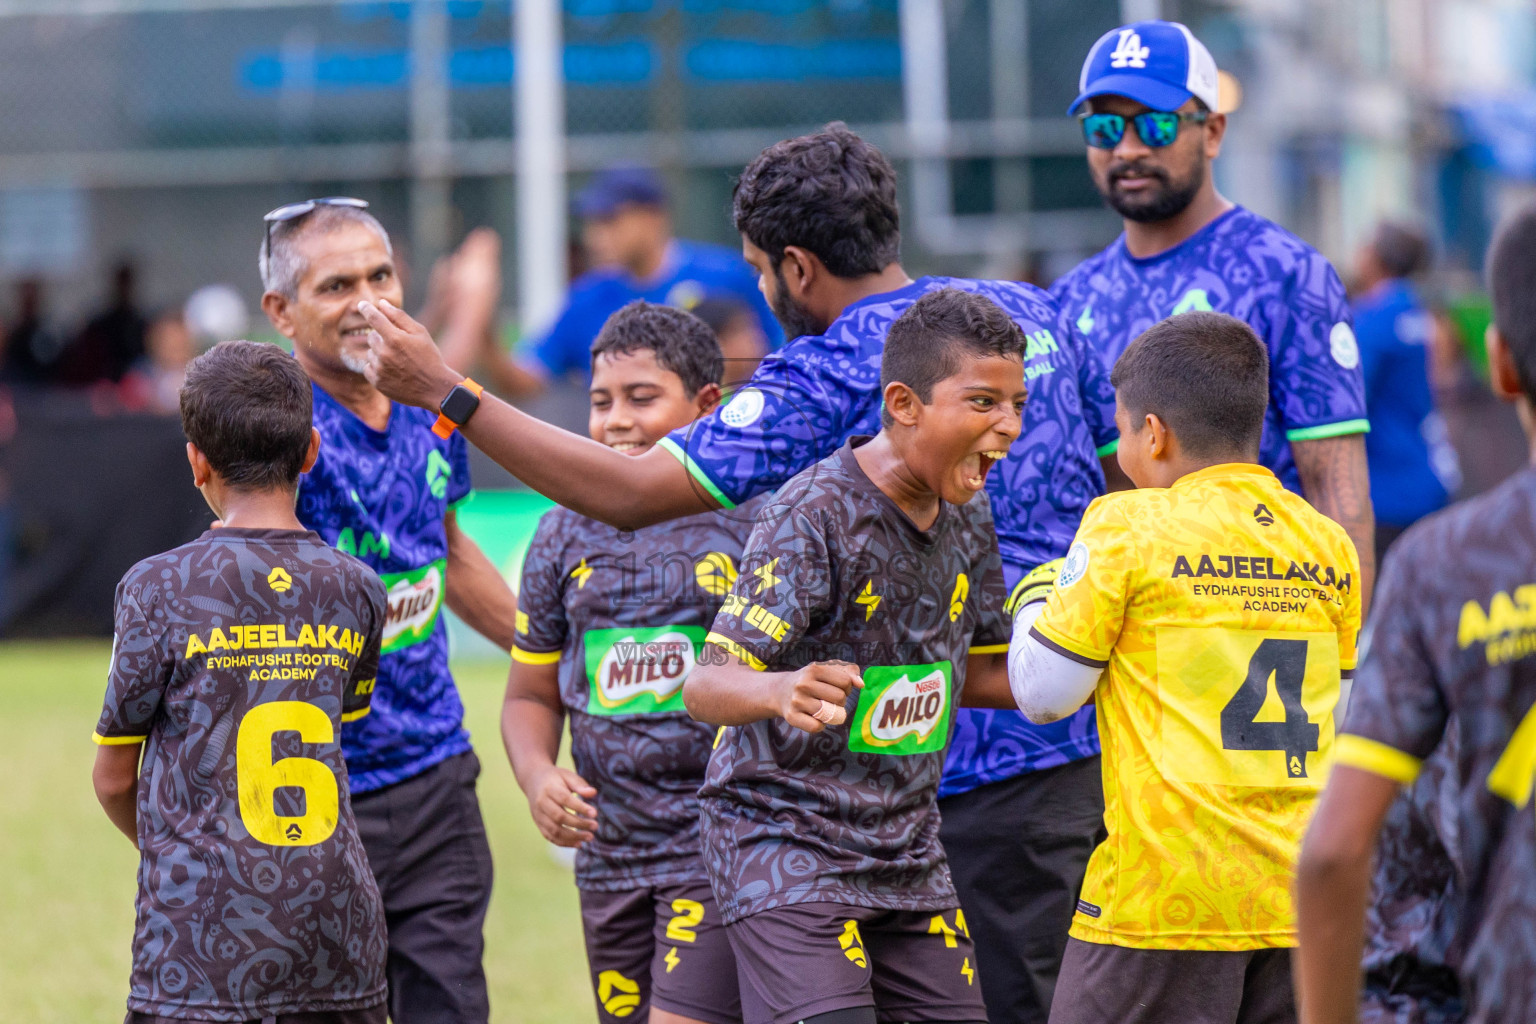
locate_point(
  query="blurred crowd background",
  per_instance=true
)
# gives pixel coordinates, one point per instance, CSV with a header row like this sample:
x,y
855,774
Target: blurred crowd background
x,y
145,139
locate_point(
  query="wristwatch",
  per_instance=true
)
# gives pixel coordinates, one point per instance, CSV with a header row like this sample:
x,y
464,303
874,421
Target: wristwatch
x,y
457,408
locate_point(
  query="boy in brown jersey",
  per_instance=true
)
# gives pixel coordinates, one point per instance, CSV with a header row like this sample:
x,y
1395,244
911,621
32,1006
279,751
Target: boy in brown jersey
x,y
609,622
236,659
870,597
1450,677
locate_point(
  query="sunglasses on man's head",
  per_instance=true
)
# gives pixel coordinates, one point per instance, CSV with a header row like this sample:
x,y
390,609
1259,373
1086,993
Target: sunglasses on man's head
x,y
1157,128
293,211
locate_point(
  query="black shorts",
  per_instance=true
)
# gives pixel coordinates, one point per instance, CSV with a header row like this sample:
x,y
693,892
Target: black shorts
x,y
372,1015
1104,984
1017,850
661,946
812,958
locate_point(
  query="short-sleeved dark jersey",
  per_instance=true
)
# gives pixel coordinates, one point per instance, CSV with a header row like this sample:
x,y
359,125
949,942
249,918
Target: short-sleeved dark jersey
x,y
625,614
835,570
236,659
1455,648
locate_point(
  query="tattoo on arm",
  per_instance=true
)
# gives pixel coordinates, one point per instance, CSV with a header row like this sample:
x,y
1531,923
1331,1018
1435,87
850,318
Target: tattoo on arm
x,y
1335,480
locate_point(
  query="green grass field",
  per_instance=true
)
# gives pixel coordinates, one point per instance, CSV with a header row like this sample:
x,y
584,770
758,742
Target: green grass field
x,y
66,898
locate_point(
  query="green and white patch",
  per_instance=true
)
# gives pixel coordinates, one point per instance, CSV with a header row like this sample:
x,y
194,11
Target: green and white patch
x,y
640,671
903,709
415,598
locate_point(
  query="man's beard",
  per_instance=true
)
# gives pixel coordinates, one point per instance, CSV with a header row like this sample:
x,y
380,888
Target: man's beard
x,y
796,320
1166,202
354,359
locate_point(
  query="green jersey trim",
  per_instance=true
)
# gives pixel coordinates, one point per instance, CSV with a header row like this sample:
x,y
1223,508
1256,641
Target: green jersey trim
x,y
696,471
1105,450
454,506
1360,426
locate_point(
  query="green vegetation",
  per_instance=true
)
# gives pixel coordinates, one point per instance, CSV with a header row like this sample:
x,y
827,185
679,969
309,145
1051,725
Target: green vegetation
x,y
67,895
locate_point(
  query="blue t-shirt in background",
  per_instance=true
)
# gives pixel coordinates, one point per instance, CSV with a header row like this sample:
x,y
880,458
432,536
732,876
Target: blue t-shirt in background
x,y
1251,268
1413,467
694,271
806,400
382,496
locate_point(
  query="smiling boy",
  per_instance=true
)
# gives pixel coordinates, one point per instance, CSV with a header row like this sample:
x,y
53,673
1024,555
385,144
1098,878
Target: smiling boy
x,y
610,623
870,597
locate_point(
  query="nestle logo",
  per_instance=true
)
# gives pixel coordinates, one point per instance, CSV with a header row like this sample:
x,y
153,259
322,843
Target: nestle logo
x,y
1262,515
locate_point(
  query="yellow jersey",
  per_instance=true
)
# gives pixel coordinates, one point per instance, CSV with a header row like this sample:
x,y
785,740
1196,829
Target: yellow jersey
x,y
1226,610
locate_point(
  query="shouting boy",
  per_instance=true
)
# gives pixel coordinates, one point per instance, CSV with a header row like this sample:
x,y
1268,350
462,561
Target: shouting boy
x,y
870,598
610,623
237,658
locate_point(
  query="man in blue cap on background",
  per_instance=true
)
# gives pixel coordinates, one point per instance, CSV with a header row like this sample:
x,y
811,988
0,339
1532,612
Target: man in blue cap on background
x,y
1149,111
627,232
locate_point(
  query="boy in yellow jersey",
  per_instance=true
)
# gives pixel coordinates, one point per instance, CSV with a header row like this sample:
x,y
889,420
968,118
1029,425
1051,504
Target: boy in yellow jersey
x,y
1212,613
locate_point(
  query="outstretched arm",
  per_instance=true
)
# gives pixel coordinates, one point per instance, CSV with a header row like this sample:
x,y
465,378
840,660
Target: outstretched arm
x,y
585,476
1335,480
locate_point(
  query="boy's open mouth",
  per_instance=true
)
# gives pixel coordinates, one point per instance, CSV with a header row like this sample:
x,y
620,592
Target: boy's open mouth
x,y
973,468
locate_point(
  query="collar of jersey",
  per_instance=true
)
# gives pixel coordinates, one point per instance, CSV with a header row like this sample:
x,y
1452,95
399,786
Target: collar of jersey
x,y
916,289
1224,470
354,421
1143,261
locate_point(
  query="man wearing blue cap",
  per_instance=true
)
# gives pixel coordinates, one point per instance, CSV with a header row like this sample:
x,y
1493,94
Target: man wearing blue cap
x,y
627,231
1148,107
1149,111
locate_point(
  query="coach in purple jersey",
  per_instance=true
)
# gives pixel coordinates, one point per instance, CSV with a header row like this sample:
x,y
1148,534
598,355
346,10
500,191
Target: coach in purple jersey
x,y
1148,106
384,489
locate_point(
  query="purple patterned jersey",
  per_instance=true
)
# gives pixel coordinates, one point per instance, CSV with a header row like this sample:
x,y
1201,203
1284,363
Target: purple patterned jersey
x,y
625,615
236,660
835,570
382,495
1455,649
807,399
1255,270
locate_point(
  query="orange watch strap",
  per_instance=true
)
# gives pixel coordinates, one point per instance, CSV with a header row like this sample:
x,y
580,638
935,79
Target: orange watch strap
x,y
444,427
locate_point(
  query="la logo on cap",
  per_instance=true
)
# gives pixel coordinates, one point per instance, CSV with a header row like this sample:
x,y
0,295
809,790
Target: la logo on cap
x,y
1129,53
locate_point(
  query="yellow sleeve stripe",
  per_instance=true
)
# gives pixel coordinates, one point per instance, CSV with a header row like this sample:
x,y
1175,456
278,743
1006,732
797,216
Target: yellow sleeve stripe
x,y
990,649
352,716
749,659
1376,758
116,741
535,657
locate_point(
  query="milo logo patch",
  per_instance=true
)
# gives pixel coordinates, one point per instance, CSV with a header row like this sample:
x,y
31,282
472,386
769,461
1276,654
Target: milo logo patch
x,y
639,671
903,709
414,600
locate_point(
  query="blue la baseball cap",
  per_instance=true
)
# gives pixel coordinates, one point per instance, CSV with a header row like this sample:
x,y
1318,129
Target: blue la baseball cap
x,y
618,186
1159,63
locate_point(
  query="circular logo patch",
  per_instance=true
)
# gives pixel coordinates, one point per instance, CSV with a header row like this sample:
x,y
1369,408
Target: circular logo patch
x,y
1342,344
1074,567
744,409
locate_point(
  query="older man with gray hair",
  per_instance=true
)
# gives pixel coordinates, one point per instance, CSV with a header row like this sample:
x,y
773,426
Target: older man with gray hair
x,y
385,489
